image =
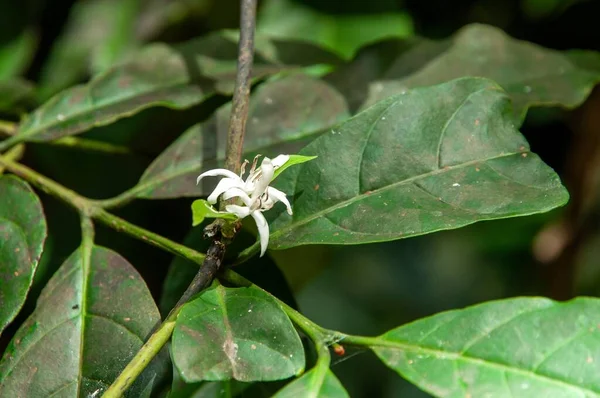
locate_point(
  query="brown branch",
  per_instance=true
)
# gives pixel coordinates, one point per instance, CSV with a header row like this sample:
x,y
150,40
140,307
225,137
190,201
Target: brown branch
x,y
239,109
220,231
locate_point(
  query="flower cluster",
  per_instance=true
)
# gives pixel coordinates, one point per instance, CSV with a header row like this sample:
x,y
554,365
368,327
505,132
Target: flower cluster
x,y
255,192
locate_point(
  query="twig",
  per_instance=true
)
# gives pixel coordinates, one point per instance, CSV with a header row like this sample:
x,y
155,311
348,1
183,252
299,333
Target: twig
x,y
239,109
220,232
89,207
15,154
7,128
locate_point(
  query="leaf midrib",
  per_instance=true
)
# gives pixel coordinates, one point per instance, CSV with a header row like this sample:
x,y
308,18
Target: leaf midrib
x,y
40,129
385,344
363,195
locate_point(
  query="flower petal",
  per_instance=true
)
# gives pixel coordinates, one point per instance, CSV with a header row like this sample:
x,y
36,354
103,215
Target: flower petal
x,y
236,192
280,160
263,230
279,196
239,211
224,185
217,172
264,178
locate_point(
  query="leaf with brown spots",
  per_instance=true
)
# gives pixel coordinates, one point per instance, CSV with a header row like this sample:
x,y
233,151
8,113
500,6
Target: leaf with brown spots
x,y
275,125
523,347
90,320
177,77
413,164
235,333
531,75
22,235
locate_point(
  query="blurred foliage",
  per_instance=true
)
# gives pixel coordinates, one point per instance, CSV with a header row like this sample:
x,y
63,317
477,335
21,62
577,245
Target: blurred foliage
x,y
50,45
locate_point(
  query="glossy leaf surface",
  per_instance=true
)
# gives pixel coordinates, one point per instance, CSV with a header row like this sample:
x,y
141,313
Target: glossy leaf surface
x,y
524,347
90,320
235,333
23,232
434,158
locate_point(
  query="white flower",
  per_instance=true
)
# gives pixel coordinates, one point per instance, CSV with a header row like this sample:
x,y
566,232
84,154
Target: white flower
x,y
254,192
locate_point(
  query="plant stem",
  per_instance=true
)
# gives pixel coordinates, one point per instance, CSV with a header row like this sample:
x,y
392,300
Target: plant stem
x,y
14,154
7,128
89,207
239,110
144,356
216,251
152,238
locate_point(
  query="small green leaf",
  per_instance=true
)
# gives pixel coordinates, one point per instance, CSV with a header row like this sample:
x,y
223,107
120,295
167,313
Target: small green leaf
x,y
274,125
201,209
22,235
158,75
235,333
313,384
342,34
90,320
524,347
293,160
530,74
434,158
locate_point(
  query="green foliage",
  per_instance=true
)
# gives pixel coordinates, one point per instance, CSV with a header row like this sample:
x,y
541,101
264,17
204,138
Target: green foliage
x,y
520,347
23,232
392,136
530,74
236,333
312,384
91,318
436,158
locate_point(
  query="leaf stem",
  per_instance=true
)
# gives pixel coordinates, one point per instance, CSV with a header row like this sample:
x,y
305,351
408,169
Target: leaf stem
x,y
144,356
14,154
93,210
7,128
152,238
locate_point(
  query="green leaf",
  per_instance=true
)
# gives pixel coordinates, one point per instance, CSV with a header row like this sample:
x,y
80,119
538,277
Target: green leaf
x,y
90,320
292,161
201,209
158,75
97,33
524,347
530,74
434,158
343,34
235,333
275,124
262,271
22,235
313,384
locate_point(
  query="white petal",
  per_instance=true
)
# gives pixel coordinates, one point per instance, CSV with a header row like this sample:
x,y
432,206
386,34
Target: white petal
x,y
263,230
279,196
217,172
240,211
264,179
236,192
224,185
280,160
